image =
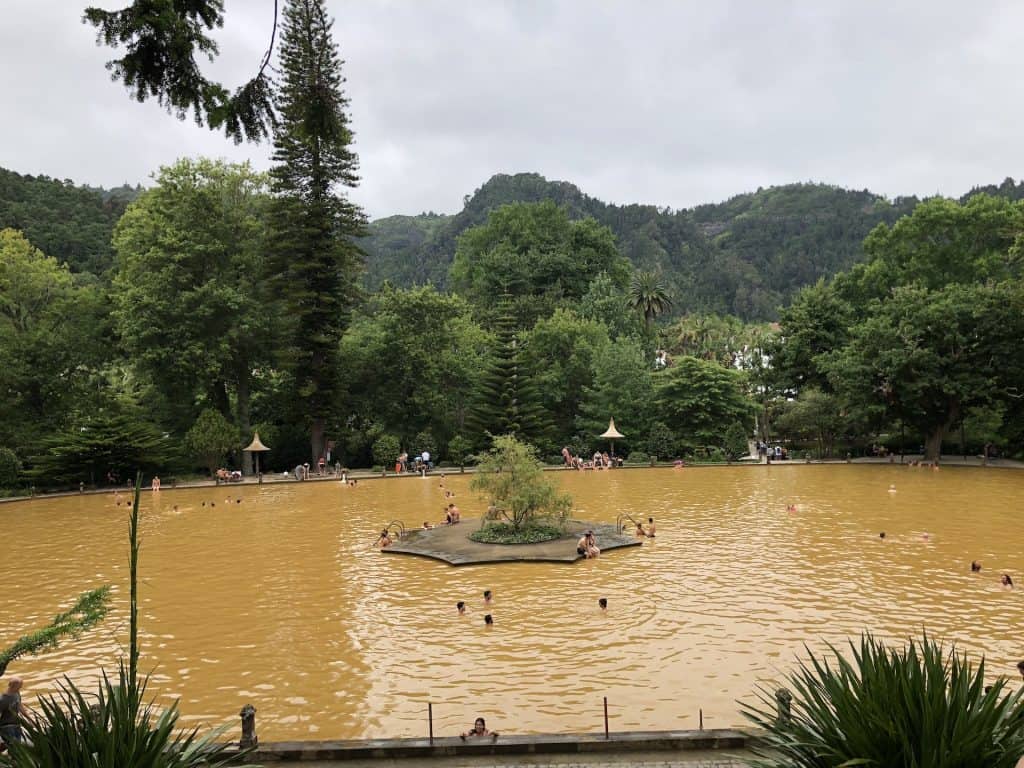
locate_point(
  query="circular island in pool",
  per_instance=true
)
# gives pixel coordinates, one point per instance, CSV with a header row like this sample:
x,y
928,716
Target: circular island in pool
x,y
453,545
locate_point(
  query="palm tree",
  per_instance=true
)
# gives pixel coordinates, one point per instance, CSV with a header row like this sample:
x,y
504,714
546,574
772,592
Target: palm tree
x,y
648,294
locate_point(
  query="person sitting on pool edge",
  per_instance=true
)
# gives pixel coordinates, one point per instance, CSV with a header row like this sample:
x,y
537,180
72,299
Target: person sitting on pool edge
x,y
587,546
478,731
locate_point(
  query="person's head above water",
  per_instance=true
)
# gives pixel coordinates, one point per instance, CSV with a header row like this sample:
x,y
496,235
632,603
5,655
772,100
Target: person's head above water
x,y
488,620
460,606
881,535
1020,668
487,594
975,566
650,519
480,725
602,602
1007,581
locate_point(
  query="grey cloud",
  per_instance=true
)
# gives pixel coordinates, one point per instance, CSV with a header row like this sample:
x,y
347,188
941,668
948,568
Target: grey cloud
x,y
673,103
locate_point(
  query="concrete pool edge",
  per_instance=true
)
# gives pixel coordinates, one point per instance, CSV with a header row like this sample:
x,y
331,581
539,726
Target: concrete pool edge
x,y
551,744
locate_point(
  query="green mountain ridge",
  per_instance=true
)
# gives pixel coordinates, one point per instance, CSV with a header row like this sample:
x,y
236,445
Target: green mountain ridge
x,y
744,256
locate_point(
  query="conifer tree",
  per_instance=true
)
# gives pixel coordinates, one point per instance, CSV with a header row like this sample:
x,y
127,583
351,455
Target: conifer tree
x,y
313,260
507,402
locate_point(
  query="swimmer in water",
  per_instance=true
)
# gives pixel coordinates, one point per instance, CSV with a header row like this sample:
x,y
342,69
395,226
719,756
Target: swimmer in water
x,y
602,603
924,536
650,529
427,525
892,489
487,597
640,532
791,508
1006,581
881,536
975,566
461,608
384,540
488,620
1020,668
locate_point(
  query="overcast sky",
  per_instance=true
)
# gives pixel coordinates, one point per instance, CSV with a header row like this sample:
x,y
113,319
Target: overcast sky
x,y
674,103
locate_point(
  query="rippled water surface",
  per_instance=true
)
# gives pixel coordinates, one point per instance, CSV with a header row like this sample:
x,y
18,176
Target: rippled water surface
x,y
282,601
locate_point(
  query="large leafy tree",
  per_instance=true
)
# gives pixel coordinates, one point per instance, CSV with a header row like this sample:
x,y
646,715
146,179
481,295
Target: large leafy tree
x,y
411,363
931,319
561,351
700,400
187,298
926,357
54,342
537,256
623,389
313,262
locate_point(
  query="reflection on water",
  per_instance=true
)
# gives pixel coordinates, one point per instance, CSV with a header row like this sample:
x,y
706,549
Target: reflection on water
x,y
282,600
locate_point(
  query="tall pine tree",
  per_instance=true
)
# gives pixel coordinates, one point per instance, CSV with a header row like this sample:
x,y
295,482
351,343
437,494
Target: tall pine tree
x,y
507,402
313,261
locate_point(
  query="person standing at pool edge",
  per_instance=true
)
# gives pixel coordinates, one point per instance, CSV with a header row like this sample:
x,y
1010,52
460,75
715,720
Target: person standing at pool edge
x,y
11,712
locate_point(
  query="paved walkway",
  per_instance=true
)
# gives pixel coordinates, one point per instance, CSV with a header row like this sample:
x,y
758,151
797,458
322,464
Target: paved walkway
x,y
682,759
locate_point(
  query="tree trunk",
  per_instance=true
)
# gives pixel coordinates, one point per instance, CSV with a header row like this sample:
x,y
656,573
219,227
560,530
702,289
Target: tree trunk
x,y
219,398
244,424
933,442
316,441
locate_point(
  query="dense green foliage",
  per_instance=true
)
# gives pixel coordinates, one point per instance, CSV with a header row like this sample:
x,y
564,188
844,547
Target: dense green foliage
x,y
10,468
239,293
506,533
88,610
68,223
111,728
892,708
211,438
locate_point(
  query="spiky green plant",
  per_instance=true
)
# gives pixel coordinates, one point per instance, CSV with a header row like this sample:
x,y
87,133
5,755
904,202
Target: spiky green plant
x,y
913,707
115,728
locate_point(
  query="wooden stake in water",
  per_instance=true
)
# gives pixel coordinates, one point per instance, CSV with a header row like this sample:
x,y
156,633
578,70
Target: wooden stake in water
x,y
430,720
606,717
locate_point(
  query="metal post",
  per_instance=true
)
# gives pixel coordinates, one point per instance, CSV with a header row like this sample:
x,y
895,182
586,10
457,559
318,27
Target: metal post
x,y
430,720
249,738
606,717
701,711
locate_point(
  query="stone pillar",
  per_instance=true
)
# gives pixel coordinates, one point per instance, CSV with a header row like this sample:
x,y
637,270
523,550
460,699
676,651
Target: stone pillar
x,y
249,739
784,704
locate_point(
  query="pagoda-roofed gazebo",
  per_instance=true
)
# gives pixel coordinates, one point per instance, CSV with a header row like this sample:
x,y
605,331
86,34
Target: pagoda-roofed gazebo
x,y
612,434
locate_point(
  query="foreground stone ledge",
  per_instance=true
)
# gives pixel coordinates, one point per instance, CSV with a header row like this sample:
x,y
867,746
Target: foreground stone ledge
x,y
581,743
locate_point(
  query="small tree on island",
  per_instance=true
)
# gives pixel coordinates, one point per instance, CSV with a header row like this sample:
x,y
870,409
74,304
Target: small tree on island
x,y
513,479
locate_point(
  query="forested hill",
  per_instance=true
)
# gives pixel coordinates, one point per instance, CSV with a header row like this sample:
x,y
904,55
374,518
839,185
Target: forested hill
x,y
745,256
71,223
